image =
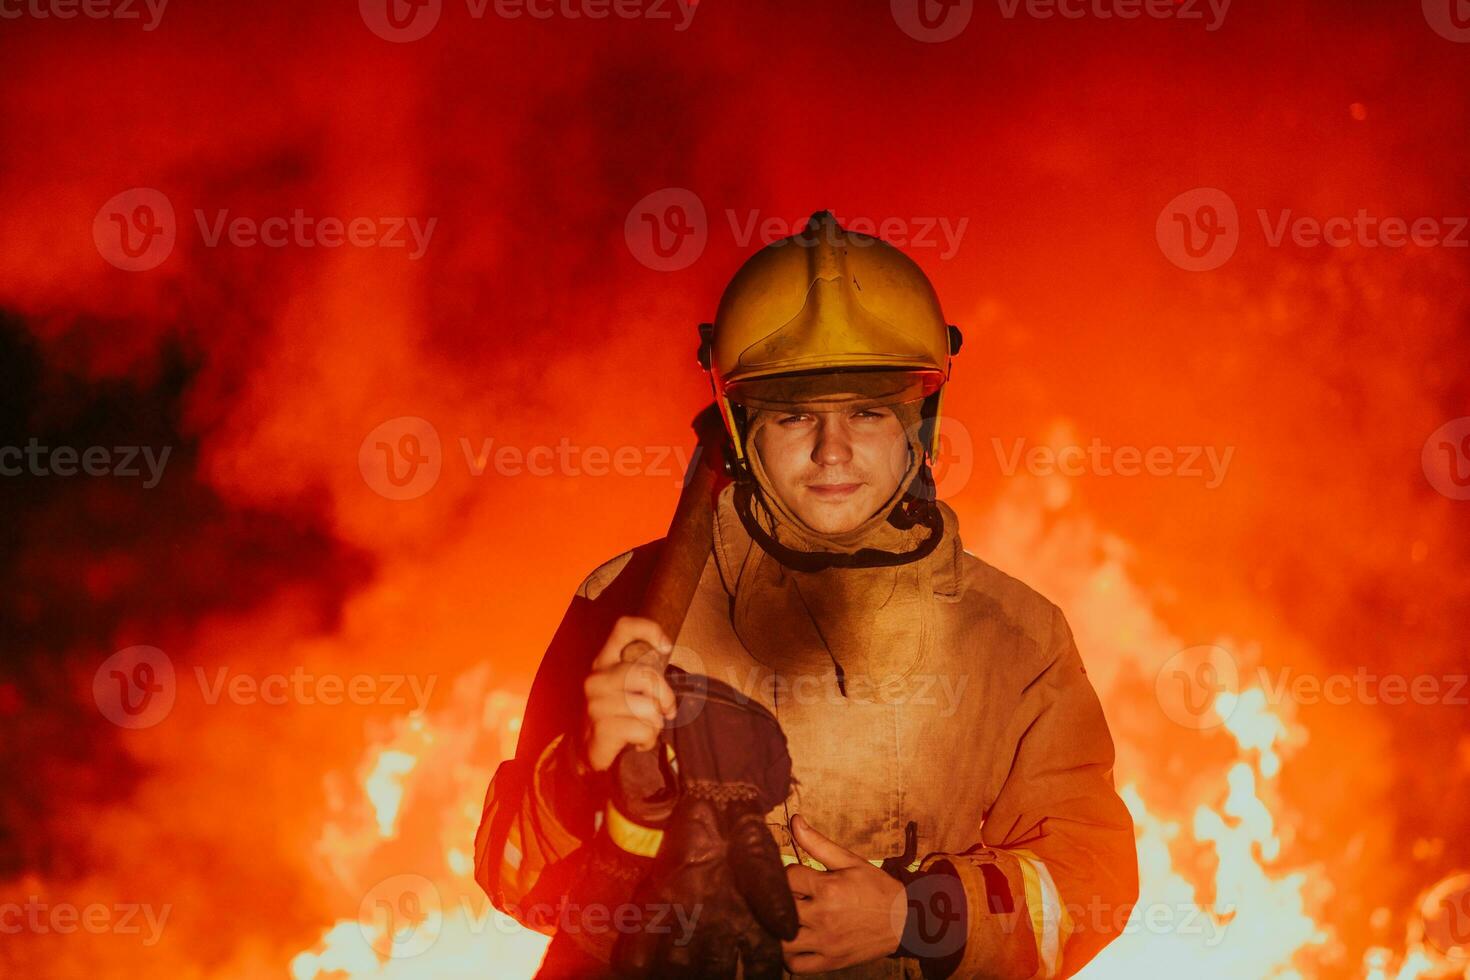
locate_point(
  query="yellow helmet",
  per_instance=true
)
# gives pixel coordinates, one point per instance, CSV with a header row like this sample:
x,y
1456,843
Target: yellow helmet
x,y
828,302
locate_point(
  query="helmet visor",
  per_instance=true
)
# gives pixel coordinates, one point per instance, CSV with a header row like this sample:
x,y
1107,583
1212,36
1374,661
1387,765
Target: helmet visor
x,y
826,390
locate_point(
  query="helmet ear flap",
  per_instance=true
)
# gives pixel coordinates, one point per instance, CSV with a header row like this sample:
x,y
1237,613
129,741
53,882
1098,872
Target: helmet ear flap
x,y
706,351
929,424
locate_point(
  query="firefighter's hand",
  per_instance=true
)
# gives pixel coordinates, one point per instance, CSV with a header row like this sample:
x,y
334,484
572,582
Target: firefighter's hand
x,y
626,702
851,913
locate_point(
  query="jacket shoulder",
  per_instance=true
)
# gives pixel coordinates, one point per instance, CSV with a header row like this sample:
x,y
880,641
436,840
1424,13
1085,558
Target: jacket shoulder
x,y
628,570
1011,600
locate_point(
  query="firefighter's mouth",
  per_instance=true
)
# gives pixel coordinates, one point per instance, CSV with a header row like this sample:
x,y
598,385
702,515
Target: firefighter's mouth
x,y
833,491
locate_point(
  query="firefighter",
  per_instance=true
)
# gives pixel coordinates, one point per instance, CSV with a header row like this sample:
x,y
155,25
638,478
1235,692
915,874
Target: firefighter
x,y
951,809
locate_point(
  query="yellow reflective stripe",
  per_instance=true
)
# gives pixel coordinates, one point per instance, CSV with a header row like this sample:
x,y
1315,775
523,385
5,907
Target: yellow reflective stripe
x,y
512,855
1050,921
632,837
815,865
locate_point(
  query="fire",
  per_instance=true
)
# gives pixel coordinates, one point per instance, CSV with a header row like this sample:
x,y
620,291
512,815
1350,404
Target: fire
x,y
1235,910
420,912
384,786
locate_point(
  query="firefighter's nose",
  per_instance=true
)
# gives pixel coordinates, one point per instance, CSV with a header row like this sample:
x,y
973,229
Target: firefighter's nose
x,y
834,445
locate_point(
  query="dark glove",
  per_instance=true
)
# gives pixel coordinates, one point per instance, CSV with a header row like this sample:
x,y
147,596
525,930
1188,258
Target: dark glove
x,y
718,864
641,793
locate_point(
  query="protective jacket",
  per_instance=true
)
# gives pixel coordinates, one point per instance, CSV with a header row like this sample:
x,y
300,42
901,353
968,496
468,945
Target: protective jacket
x,y
959,702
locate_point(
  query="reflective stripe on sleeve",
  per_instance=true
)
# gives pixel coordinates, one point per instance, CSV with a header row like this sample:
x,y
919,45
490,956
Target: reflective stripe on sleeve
x,y
1050,920
632,837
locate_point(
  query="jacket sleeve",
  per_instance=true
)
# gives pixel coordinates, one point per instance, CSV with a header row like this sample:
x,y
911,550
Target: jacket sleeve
x,y
542,805
1055,875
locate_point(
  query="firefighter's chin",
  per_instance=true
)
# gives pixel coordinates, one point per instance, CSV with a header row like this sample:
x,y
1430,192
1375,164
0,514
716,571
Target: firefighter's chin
x,y
836,506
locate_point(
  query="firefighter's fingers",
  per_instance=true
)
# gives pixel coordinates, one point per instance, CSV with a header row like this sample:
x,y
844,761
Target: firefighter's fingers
x,y
640,706
625,631
648,680
800,964
606,690
611,735
829,852
804,881
804,954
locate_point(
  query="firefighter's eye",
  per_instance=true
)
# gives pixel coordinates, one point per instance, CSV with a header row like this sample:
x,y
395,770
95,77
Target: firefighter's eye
x,y
791,420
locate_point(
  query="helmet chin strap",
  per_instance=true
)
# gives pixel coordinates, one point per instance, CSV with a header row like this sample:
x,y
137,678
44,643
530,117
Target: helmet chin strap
x,y
906,528
910,512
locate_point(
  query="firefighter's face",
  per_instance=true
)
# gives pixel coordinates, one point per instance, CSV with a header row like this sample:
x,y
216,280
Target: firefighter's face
x,y
834,469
